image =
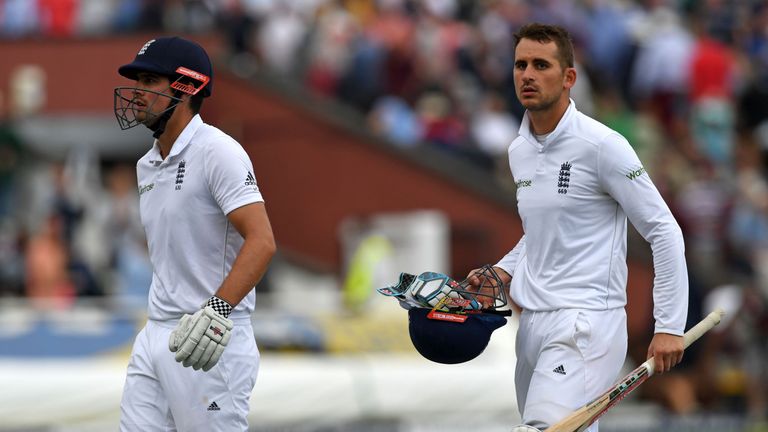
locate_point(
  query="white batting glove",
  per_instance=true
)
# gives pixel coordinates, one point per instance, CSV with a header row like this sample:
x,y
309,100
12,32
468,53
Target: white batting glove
x,y
525,428
200,339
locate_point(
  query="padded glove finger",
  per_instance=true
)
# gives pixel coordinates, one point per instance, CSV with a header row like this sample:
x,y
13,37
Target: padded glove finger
x,y
194,358
214,358
199,326
210,349
179,333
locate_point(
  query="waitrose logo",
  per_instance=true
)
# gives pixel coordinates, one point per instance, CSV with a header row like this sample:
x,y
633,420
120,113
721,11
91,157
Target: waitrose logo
x,y
146,188
636,173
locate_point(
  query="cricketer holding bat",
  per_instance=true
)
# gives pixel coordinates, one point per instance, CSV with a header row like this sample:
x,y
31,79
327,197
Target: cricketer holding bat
x,y
194,364
577,184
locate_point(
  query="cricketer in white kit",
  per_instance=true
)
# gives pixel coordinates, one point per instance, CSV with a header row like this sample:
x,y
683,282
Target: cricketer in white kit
x,y
578,182
194,365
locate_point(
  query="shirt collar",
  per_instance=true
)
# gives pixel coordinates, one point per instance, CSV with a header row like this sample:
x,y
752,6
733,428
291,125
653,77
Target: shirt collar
x,y
182,141
525,125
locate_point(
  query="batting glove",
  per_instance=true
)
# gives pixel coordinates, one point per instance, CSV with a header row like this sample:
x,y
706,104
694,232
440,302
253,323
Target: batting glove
x,y
200,339
525,428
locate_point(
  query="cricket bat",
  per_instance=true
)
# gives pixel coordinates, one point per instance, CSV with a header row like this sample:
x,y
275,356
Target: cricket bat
x,y
583,417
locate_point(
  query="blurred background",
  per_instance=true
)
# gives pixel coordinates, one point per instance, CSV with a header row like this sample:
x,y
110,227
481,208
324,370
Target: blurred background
x,y
378,133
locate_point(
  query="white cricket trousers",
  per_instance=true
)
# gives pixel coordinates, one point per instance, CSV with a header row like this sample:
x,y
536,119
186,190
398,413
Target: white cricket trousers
x,y
566,358
162,395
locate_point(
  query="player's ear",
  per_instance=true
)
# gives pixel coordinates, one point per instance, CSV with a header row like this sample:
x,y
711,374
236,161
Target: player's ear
x,y
569,78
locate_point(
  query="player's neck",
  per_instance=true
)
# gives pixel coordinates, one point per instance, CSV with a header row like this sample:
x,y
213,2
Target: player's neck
x,y
545,121
173,129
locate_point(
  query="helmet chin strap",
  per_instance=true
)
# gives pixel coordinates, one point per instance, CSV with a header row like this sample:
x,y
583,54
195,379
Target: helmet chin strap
x,y
158,126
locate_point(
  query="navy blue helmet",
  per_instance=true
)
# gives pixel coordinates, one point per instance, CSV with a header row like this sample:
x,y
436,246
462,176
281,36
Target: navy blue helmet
x,y
183,62
449,321
165,55
451,342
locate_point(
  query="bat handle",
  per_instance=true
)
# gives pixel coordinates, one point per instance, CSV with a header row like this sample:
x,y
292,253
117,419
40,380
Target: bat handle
x,y
693,334
648,365
702,327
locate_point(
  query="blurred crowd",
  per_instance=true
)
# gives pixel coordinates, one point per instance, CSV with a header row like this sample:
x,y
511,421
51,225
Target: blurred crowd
x,y
685,81
69,229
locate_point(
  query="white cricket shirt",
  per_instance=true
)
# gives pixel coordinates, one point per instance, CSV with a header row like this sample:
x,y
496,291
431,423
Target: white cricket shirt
x,y
575,191
184,201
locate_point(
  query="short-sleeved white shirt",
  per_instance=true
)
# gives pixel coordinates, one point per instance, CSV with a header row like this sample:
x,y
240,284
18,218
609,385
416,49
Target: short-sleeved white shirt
x,y
184,202
575,191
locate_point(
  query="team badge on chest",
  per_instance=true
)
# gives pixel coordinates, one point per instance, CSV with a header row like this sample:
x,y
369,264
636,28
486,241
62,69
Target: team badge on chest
x,y
564,178
180,174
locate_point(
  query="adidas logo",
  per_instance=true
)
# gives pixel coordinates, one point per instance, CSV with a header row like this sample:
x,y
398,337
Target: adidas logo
x,y
560,370
249,180
213,407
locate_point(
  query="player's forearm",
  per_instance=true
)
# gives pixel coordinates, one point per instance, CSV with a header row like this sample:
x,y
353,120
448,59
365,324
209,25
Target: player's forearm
x,y
670,285
248,269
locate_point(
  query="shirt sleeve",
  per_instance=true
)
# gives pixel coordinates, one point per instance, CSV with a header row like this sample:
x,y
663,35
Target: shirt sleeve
x,y
623,176
230,176
509,262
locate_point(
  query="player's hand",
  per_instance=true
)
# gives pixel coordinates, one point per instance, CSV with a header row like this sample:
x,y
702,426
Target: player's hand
x,y
666,350
477,282
200,339
487,287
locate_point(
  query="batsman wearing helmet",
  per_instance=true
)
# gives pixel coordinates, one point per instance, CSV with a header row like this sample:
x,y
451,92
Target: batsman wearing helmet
x,y
194,364
578,182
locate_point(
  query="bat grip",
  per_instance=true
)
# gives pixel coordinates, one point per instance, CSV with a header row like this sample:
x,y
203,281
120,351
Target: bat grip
x,y
693,334
702,327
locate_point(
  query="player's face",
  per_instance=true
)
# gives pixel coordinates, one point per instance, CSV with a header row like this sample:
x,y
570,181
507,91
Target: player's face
x,y
148,104
540,80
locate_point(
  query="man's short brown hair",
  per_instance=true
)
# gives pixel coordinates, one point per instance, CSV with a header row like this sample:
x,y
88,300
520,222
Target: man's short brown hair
x,y
549,33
